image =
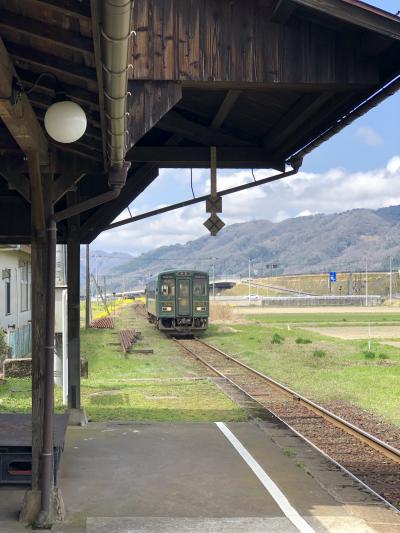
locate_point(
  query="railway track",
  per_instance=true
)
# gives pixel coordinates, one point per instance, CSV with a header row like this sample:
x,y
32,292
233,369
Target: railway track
x,y
370,460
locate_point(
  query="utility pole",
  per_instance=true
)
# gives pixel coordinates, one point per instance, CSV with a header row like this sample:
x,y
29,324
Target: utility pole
x,y
88,296
213,272
105,293
390,281
366,282
249,280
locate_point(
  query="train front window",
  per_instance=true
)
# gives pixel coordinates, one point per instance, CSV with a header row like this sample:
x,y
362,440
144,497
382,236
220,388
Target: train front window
x,y
167,287
200,287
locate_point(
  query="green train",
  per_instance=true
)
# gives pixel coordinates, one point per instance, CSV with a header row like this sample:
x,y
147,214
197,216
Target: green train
x,y
178,301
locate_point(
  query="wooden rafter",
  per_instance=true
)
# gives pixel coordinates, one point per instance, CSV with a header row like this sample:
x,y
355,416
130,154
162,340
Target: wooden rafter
x,y
51,63
67,7
46,85
175,123
12,170
45,32
298,114
20,118
283,9
225,108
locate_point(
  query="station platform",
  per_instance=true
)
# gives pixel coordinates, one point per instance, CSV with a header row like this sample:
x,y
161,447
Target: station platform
x,y
183,477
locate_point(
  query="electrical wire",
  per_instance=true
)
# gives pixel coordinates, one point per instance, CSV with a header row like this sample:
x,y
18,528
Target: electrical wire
x,y
252,173
191,182
42,75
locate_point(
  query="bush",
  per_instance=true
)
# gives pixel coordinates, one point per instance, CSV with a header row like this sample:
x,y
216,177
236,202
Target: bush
x,y
383,356
319,353
368,354
302,340
276,338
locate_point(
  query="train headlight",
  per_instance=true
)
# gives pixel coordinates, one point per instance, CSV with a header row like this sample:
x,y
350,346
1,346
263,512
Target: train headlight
x,y
167,308
200,308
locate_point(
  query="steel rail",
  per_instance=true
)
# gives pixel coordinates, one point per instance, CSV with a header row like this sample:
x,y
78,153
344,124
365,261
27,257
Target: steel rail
x,y
365,437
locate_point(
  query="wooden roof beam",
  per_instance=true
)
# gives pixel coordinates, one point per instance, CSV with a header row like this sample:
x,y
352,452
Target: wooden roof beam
x,y
282,11
71,8
46,85
12,170
358,14
305,107
51,63
176,123
199,157
45,32
20,118
225,108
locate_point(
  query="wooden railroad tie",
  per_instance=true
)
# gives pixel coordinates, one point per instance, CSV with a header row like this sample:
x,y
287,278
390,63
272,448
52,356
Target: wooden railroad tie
x,y
126,338
103,323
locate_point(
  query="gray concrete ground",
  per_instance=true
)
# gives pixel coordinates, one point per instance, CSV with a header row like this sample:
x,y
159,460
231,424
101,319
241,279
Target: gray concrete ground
x,y
165,477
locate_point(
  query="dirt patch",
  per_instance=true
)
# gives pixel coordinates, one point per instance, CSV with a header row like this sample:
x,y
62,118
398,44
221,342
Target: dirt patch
x,y
358,332
228,329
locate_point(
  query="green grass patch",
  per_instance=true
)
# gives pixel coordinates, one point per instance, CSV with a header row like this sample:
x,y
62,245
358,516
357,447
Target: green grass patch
x,y
303,340
326,318
342,373
319,353
163,386
277,339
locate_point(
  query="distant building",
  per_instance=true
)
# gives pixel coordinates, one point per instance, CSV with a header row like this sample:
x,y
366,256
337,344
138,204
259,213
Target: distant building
x,y
15,298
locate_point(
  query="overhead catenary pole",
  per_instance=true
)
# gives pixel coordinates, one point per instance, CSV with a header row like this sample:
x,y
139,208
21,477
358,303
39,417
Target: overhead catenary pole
x,y
366,281
390,281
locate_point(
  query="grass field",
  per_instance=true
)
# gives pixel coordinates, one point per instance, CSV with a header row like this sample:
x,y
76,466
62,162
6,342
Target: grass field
x,y
319,367
163,386
348,318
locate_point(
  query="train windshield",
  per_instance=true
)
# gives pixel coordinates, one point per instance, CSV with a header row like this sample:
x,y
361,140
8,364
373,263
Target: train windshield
x,y
200,287
167,287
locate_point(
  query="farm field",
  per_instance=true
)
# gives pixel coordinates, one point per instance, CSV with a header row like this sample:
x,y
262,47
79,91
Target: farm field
x,y
321,367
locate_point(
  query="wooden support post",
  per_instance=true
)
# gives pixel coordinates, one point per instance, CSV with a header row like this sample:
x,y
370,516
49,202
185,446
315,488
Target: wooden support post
x,y
88,295
73,270
39,292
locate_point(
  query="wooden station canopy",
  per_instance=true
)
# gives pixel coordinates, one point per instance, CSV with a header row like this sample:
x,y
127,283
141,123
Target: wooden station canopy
x,y
258,79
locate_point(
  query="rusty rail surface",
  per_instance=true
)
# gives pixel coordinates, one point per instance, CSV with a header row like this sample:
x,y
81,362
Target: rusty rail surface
x,y
126,338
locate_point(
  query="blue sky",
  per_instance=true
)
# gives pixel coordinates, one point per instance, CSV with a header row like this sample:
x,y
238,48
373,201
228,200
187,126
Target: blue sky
x,y
359,167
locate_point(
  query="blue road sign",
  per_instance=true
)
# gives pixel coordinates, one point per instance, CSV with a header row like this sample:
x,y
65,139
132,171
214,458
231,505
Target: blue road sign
x,y
332,276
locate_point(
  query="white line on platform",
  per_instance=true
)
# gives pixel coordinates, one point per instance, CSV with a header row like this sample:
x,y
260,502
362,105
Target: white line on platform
x,y
270,485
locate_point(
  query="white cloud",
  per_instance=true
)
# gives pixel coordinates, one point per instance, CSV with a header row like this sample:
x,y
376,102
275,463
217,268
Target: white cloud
x,y
369,136
301,195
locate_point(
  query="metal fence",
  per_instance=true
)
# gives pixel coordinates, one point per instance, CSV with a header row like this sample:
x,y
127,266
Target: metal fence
x,y
20,341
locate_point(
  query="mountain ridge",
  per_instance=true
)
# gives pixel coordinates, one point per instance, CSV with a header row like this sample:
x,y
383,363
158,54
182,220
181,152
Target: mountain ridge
x,y
314,243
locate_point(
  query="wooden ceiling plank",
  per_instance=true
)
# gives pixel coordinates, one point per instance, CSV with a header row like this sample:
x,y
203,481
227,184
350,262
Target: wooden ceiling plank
x,y
20,118
225,108
46,84
71,8
51,63
306,106
282,11
45,32
175,123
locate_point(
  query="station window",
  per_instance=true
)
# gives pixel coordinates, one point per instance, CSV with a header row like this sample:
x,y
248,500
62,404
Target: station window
x,y
24,286
7,281
167,287
200,287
